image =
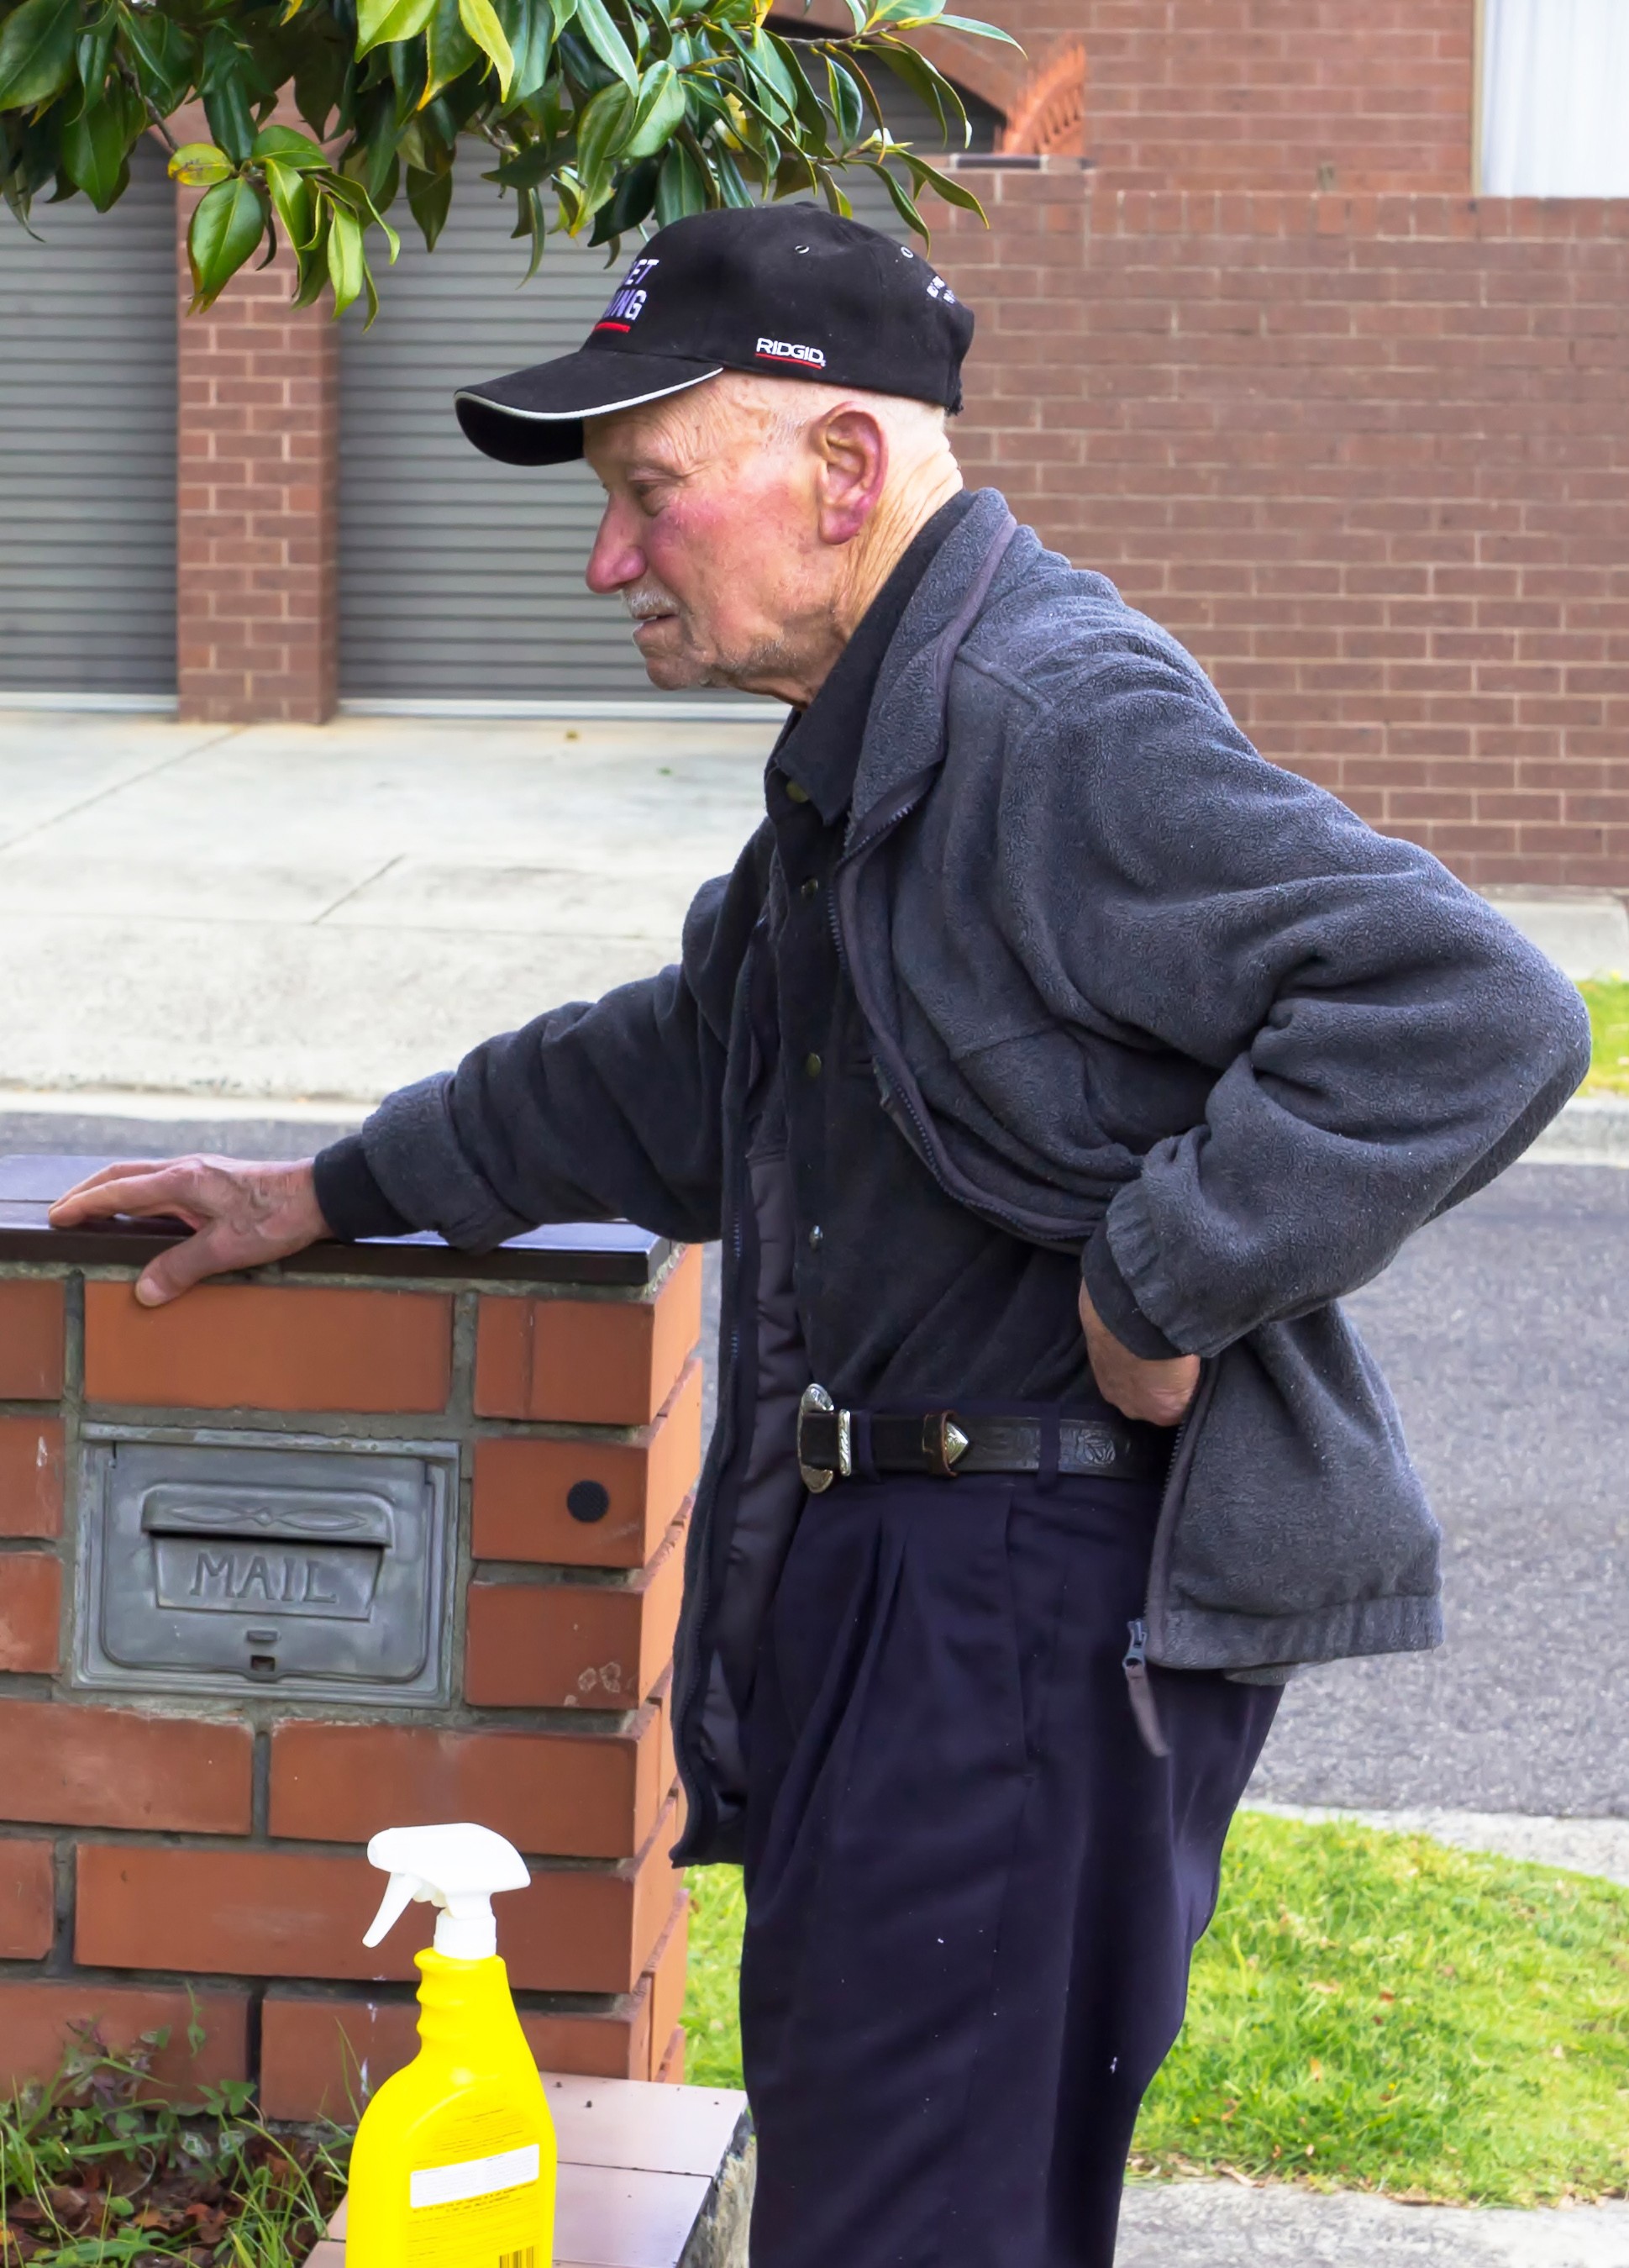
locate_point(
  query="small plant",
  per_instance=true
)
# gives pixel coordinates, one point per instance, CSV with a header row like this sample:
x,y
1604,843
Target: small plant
x,y
101,2165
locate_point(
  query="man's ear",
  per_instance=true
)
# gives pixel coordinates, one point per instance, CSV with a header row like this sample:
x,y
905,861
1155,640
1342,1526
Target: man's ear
x,y
852,449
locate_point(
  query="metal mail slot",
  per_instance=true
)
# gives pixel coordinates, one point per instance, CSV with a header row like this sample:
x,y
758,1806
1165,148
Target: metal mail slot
x,y
215,1562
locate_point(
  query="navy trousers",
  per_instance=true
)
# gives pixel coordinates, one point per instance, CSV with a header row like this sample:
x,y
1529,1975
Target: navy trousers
x,y
971,1891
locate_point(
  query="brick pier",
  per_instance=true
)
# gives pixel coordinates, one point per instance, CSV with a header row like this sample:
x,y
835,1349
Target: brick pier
x,y
183,1814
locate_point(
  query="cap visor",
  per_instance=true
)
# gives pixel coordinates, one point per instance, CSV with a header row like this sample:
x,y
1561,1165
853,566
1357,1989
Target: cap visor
x,y
535,416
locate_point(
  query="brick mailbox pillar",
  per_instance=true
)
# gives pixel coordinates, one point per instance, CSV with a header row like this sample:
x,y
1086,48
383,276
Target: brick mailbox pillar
x,y
380,1536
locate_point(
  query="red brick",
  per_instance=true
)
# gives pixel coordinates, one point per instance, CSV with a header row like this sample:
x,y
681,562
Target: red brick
x,y
27,1901
574,1645
521,1508
74,1766
217,1910
229,1346
599,1362
33,1324
40,2017
315,2051
262,382
31,1476
555,1794
31,1606
671,2071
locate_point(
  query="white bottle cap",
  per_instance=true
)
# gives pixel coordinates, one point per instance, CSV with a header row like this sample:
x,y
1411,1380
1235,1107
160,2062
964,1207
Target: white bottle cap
x,y
457,1868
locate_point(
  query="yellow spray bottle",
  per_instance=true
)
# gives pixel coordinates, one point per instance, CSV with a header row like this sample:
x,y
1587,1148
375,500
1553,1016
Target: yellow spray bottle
x,y
455,2158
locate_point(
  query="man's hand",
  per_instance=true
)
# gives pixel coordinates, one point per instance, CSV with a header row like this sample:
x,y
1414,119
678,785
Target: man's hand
x,y
1157,1392
242,1215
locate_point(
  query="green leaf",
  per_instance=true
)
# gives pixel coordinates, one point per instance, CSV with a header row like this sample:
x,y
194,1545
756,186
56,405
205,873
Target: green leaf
x,y
344,189
764,54
901,12
36,52
429,200
228,224
226,103
928,85
380,23
480,19
836,196
950,190
529,30
290,148
810,116
732,189
451,49
314,259
562,11
92,53
681,185
594,22
292,201
161,54
346,267
199,165
96,148
904,204
599,132
847,102
635,194
660,115
975,30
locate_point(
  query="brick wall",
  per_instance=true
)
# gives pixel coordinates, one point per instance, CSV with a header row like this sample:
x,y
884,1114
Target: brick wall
x,y
1366,457
154,1841
257,505
1280,94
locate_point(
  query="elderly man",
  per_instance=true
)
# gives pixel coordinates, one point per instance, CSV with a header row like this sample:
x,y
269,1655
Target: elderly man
x,y
1049,1064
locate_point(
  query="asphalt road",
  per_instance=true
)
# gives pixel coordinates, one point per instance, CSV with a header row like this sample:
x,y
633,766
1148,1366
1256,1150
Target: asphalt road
x,y
1505,1332
1504,1329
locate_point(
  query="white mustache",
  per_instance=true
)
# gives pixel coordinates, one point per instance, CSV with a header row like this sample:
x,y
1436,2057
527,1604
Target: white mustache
x,y
643,605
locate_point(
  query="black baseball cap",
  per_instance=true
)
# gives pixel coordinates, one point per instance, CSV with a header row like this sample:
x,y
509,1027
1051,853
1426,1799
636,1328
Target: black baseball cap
x,y
792,291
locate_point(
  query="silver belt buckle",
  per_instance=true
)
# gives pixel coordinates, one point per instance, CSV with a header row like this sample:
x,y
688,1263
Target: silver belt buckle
x,y
818,1478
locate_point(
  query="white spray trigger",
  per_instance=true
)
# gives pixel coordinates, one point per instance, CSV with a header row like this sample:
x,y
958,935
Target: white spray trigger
x,y
457,1868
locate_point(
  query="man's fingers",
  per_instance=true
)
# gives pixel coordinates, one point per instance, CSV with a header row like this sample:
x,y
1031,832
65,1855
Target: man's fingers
x,y
114,1172
185,1264
139,1189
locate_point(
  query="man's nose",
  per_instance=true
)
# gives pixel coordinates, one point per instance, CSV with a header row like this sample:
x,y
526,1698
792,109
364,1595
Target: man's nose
x,y
616,559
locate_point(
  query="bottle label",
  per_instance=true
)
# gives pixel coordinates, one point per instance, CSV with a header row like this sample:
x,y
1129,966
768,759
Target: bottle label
x,y
479,2213
474,2177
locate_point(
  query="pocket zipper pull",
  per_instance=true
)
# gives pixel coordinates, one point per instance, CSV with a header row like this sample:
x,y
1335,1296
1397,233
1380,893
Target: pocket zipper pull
x,y
1139,1688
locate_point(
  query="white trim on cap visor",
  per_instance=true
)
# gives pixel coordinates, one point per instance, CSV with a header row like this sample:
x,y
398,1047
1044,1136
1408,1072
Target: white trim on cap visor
x,y
578,416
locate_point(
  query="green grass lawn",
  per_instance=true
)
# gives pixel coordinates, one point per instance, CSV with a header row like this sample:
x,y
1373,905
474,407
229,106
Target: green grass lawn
x,y
1368,2011
1608,1003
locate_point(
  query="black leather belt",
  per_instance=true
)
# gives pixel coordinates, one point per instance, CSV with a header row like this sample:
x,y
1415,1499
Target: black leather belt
x,y
946,1444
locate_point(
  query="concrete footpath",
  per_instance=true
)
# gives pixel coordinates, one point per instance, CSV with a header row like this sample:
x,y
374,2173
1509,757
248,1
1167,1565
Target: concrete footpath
x,y
282,913
220,938
310,915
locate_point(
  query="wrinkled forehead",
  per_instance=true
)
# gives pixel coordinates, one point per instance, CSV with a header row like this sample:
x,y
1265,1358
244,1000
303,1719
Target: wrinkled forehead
x,y
715,423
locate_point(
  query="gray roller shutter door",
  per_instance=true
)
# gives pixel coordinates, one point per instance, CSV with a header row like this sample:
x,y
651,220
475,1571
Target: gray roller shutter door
x,y
87,443
461,579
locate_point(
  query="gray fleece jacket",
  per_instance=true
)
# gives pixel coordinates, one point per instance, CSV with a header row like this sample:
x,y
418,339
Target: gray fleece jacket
x,y
1131,991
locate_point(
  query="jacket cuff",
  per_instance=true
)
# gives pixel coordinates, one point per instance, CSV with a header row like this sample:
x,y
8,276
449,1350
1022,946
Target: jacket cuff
x,y
1112,1296
417,1160
350,1198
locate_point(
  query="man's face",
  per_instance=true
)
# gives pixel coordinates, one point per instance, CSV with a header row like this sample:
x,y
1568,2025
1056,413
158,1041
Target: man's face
x,y
710,534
